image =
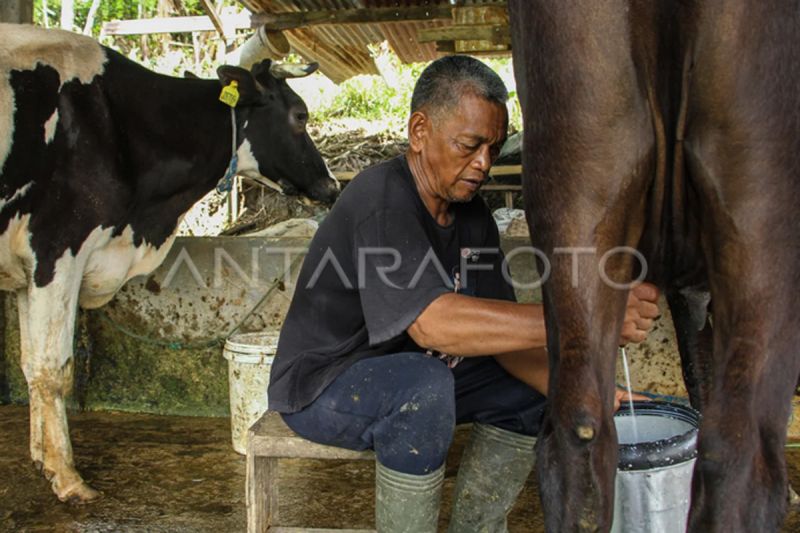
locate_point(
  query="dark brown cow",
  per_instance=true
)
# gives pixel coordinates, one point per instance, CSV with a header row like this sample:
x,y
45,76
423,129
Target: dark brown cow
x,y
673,128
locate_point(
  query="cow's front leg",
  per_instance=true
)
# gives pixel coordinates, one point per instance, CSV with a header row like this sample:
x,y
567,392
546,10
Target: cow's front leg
x,y
47,323
588,161
577,452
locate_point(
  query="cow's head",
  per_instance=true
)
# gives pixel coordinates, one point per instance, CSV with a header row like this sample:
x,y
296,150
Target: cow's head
x,y
275,149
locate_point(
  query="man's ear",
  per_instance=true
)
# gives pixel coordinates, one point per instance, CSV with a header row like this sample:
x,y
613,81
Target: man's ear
x,y
418,128
248,92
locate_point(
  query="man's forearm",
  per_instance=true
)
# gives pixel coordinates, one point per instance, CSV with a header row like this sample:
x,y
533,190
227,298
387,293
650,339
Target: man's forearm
x,y
529,366
456,324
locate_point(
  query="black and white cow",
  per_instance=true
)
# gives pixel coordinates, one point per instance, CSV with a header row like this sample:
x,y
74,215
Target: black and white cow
x,y
99,160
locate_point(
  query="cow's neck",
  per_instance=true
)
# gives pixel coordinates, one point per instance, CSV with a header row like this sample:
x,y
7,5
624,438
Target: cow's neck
x,y
178,139
186,154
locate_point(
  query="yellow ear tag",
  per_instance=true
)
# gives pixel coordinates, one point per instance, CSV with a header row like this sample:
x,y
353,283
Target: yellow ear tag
x,y
230,94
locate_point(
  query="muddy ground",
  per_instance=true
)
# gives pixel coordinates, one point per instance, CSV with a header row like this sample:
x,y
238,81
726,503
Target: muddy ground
x,y
179,474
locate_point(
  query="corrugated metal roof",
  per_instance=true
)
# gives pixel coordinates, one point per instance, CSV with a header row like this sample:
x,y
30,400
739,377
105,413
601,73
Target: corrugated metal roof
x,y
342,50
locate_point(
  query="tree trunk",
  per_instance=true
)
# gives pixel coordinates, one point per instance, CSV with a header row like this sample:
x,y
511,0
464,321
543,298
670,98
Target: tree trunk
x,y
143,38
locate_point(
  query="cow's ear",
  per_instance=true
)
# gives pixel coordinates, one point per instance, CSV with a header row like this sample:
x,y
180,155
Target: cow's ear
x,y
248,92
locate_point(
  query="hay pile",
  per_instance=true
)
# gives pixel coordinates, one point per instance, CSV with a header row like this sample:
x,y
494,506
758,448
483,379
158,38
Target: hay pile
x,y
355,150
345,147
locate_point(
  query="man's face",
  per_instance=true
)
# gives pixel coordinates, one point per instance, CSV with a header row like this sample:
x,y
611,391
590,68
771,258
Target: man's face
x,y
459,147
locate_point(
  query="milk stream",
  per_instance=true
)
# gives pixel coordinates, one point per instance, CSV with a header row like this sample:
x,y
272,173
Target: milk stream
x,y
630,395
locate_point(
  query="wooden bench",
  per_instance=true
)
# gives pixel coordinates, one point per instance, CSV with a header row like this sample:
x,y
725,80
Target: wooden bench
x,y
270,440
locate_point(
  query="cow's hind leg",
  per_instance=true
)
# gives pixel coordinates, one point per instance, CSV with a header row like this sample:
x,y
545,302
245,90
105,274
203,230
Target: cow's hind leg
x,y
47,322
743,154
34,400
740,479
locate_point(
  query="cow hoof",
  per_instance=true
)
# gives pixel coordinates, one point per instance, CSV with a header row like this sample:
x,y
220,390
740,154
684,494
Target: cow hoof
x,y
38,466
79,494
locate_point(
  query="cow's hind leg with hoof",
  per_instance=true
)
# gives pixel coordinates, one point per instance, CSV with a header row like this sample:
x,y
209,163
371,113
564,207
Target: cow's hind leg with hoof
x,y
47,324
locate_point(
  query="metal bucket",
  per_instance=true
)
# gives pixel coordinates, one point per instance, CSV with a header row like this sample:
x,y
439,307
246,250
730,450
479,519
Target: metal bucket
x,y
654,475
250,357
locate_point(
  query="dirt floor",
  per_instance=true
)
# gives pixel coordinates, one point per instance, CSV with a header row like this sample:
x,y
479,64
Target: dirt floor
x,y
177,474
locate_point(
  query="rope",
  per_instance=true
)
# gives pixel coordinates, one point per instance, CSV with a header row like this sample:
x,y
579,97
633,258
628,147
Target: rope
x,y
226,183
207,343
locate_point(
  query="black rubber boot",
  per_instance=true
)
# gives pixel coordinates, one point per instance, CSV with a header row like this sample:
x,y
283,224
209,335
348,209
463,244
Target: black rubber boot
x,y
405,503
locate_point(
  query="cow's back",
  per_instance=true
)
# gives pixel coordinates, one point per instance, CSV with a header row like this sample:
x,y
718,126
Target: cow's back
x,y
66,56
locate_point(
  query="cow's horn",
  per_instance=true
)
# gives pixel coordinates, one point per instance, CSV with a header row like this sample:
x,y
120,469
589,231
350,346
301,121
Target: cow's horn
x,y
292,70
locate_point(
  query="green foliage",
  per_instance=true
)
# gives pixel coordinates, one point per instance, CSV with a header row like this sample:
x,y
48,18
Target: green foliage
x,y
388,97
108,10
166,53
375,97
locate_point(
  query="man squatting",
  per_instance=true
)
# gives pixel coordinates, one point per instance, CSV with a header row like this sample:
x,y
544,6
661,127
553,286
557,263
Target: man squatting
x,y
393,343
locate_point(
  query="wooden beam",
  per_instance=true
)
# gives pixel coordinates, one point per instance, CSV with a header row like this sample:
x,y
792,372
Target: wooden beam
x,y
281,21
446,47
494,33
212,14
472,15
16,11
179,24
288,21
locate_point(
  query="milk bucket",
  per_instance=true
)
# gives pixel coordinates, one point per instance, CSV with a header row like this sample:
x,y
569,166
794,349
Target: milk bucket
x,y
654,474
250,357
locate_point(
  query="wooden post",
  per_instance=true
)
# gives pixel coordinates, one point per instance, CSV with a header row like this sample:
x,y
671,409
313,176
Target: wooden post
x,y
262,492
67,15
18,11
87,28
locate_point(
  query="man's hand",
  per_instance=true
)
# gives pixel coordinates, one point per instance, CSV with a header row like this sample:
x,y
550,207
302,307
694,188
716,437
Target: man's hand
x,y
639,313
621,395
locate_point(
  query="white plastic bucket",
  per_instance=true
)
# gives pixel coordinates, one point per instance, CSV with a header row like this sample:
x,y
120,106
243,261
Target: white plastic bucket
x,y
250,357
654,474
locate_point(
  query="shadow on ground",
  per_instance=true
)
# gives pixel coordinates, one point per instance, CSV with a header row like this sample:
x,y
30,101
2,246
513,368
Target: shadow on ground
x,y
179,474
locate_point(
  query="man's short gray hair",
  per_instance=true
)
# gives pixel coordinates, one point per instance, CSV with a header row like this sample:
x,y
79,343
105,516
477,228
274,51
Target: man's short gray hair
x,y
442,84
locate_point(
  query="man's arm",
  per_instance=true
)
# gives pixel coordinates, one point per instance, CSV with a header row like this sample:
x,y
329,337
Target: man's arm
x,y
468,326
528,366
531,367
462,325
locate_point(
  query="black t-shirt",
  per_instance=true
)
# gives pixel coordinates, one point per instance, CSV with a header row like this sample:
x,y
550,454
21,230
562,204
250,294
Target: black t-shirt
x,y
376,262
